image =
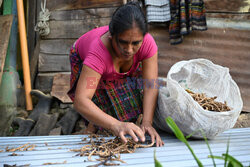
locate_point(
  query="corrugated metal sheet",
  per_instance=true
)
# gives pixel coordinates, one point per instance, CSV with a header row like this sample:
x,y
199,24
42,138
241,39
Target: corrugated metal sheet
x,y
174,153
224,46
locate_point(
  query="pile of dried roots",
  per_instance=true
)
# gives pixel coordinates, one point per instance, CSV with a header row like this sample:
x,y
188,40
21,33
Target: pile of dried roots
x,y
209,103
109,150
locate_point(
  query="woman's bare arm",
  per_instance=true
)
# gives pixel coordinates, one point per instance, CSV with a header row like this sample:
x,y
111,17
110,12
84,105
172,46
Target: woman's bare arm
x,y
150,93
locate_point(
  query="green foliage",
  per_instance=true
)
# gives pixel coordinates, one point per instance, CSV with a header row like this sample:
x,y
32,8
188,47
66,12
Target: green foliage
x,y
157,163
178,133
229,160
11,130
210,151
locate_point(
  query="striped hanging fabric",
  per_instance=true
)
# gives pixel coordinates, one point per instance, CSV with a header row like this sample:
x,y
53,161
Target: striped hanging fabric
x,y
186,16
157,10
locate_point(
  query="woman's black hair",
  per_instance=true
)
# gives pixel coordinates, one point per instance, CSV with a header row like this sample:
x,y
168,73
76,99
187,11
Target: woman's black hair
x,y
124,17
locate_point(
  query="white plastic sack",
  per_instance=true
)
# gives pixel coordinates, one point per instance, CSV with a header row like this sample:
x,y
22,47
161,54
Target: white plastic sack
x,y
200,76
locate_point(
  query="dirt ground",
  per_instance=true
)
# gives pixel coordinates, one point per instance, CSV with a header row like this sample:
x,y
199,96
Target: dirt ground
x,y
243,120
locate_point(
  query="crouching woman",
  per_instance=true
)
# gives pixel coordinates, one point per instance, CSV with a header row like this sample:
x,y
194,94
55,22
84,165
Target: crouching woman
x,y
108,67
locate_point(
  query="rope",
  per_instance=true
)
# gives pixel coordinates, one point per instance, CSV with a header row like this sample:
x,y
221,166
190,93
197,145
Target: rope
x,y
43,25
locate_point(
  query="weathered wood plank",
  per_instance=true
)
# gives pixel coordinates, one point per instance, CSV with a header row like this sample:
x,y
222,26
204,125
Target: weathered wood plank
x,y
34,63
30,27
80,4
61,85
56,46
44,81
239,6
82,14
53,63
5,26
74,28
38,10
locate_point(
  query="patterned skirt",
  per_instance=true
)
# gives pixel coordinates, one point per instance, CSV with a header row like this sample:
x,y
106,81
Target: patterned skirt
x,y
121,98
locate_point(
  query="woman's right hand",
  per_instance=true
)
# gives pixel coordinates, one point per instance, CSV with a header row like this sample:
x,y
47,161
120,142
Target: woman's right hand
x,y
123,128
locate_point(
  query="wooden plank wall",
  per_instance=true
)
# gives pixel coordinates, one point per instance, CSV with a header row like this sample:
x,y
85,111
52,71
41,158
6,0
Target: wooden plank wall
x,y
68,21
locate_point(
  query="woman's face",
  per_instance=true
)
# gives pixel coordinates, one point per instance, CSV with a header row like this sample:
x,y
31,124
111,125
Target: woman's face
x,y
127,43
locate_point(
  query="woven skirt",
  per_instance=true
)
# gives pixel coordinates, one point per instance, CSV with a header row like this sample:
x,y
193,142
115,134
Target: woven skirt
x,y
120,98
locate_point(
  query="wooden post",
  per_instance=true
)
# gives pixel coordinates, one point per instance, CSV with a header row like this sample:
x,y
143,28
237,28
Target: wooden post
x,y
24,52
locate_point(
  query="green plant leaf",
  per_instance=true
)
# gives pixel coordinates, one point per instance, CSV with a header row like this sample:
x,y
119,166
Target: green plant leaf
x,y
233,161
210,151
225,163
216,157
190,135
178,133
230,164
157,163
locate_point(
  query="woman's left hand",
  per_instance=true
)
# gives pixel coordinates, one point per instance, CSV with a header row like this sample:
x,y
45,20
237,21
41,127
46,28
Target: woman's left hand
x,y
148,128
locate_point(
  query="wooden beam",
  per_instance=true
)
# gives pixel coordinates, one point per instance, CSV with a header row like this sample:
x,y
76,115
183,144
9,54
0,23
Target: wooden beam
x,y
56,46
80,4
31,35
24,53
34,63
74,28
82,14
5,26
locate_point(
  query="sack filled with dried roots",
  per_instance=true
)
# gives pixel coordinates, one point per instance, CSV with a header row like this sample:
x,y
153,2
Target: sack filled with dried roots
x,y
201,97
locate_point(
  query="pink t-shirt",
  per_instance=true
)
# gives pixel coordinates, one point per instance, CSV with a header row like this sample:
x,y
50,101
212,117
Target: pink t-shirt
x,y
95,55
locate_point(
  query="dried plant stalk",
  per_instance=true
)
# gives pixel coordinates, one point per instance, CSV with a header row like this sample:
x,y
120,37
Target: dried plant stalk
x,y
209,103
139,120
25,147
51,163
108,150
18,148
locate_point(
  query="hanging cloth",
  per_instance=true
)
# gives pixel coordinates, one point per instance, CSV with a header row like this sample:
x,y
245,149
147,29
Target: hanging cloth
x,y
157,10
186,16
